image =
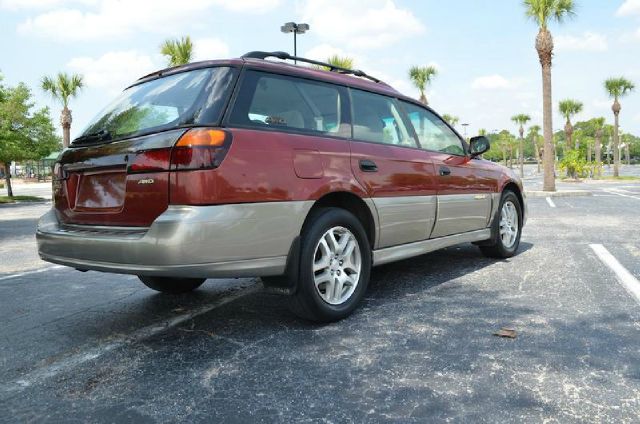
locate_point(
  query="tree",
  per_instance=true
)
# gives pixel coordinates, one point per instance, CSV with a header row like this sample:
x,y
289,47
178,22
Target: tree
x,y
62,88
177,51
422,76
534,134
569,108
482,132
617,88
521,120
339,61
452,120
542,12
24,134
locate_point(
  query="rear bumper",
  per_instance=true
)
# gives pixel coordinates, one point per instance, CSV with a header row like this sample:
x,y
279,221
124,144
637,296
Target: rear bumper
x,y
244,240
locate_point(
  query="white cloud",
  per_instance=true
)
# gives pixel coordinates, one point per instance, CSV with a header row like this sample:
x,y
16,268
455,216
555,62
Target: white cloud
x,y
113,71
588,41
360,25
629,7
209,48
39,4
494,82
119,18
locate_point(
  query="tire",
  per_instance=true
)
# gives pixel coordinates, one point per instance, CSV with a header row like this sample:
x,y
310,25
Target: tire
x,y
335,289
498,247
172,285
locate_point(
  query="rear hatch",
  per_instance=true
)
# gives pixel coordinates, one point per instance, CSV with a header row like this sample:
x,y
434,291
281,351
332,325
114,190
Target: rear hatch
x,y
117,172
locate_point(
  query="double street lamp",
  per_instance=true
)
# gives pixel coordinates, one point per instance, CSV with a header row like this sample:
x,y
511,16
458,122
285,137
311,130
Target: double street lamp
x,y
296,29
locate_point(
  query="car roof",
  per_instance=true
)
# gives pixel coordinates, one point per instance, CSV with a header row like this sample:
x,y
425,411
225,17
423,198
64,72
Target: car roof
x,y
282,67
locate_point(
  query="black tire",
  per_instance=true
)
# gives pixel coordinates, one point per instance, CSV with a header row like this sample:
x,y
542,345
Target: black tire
x,y
496,248
306,302
172,285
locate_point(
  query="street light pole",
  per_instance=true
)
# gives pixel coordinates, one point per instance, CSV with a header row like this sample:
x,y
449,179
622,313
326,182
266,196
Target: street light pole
x,y
295,29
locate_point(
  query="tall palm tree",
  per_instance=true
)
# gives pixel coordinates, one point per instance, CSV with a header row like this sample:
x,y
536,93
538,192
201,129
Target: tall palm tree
x,y
521,120
62,88
569,108
451,119
178,51
617,88
422,76
534,133
542,12
339,61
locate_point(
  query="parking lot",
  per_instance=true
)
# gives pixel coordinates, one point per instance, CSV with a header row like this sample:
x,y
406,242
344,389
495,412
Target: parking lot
x,y
92,347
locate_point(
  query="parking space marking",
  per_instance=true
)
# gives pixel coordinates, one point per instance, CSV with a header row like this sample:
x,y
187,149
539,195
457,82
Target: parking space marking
x,y
69,362
614,191
627,279
550,202
35,271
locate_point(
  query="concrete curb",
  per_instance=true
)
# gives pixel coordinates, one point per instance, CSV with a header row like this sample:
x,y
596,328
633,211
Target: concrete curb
x,y
559,193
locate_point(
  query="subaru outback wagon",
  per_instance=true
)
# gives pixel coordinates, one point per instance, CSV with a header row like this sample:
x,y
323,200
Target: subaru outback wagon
x,y
259,168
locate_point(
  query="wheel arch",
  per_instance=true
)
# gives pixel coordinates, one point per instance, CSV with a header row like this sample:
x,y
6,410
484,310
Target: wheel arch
x,y
515,188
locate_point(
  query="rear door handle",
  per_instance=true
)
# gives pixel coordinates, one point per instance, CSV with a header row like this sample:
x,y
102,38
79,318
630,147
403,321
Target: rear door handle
x,y
444,171
367,165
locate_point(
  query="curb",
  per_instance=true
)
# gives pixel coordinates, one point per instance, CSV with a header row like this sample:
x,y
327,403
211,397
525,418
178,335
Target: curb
x,y
560,193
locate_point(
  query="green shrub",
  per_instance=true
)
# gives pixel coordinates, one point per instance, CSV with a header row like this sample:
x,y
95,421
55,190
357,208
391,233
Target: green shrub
x,y
575,165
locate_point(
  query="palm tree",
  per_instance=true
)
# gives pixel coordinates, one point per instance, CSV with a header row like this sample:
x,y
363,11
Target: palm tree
x,y
345,62
542,12
569,108
617,88
422,76
62,88
482,132
534,133
452,120
521,120
178,51
598,123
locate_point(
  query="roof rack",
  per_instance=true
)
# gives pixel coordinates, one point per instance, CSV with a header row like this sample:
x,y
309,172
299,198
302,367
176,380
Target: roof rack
x,y
287,56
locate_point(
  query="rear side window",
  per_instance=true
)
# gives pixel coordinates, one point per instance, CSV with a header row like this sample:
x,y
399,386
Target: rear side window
x,y
186,98
288,103
376,118
433,133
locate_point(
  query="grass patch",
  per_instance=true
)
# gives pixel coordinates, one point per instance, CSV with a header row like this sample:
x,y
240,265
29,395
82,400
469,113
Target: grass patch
x,y
7,199
620,178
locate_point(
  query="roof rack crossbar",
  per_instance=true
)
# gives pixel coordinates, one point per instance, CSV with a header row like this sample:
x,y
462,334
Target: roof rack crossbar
x,y
287,56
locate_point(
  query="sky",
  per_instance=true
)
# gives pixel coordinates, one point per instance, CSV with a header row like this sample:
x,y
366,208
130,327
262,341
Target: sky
x,y
483,49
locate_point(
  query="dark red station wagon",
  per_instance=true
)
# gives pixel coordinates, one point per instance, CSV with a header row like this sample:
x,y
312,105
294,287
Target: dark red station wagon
x,y
258,168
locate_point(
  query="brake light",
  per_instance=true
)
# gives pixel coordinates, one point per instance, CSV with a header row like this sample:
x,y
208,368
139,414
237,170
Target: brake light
x,y
151,161
200,148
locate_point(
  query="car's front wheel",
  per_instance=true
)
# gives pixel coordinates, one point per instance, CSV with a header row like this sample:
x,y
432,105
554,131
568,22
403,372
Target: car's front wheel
x,y
335,264
507,228
171,285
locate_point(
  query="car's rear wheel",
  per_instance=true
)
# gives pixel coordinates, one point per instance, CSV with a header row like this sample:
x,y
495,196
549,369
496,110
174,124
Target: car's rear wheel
x,y
507,228
335,264
171,285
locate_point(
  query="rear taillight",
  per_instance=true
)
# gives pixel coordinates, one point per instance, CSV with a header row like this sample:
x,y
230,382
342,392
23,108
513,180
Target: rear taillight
x,y
200,148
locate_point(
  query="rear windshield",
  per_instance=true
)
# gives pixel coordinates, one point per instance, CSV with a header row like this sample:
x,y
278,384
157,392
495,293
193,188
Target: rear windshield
x,y
189,98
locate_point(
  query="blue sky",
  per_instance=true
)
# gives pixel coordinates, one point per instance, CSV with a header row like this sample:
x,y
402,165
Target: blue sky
x,y
484,49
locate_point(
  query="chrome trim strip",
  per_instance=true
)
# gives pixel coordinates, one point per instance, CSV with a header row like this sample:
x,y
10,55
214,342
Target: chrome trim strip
x,y
397,253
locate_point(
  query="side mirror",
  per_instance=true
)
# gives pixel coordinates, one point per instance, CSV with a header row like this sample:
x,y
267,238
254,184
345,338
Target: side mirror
x,y
478,145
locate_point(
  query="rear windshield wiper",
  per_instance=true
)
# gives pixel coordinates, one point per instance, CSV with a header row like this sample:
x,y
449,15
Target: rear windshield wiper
x,y
102,135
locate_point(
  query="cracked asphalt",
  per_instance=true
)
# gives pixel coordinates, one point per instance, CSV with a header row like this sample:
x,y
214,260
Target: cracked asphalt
x,y
92,347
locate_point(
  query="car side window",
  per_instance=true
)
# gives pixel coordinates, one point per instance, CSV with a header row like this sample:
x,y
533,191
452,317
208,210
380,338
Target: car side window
x,y
433,133
376,118
277,101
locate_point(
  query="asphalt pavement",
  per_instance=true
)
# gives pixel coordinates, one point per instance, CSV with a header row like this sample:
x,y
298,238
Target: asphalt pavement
x,y
93,347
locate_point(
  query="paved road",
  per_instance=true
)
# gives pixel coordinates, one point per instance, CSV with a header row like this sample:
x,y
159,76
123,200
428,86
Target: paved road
x,y
91,347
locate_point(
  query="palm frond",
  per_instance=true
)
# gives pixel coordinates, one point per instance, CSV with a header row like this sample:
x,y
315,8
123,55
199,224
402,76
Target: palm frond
x,y
618,87
178,51
570,107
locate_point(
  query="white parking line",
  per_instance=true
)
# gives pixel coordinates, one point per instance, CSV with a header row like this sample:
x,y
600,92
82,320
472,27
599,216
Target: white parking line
x,y
550,202
93,352
35,271
628,281
613,191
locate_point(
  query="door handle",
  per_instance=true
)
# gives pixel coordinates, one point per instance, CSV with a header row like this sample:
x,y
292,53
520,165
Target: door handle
x,y
444,171
367,165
